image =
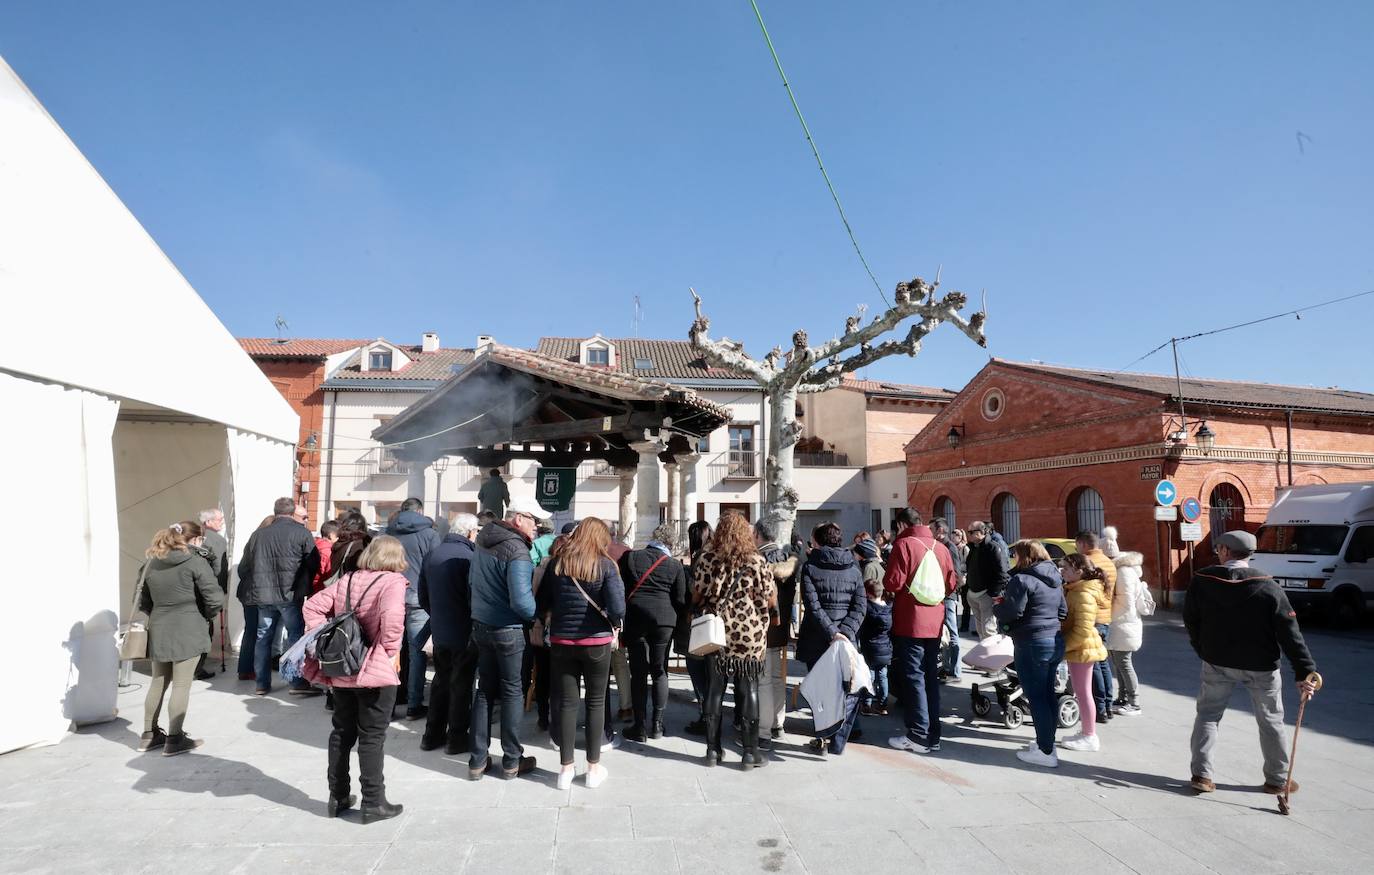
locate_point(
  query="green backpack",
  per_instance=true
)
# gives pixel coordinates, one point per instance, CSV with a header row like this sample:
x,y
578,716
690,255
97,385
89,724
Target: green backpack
x,y
928,583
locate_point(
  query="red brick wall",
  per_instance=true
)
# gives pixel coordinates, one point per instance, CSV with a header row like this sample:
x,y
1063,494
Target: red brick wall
x,y
299,383
1046,417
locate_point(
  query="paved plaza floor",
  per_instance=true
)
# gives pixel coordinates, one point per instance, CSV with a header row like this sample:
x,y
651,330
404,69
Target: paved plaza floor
x,y
252,799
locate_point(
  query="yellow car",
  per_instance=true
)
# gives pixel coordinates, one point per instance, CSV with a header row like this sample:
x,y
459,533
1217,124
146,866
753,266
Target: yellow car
x,y
1058,548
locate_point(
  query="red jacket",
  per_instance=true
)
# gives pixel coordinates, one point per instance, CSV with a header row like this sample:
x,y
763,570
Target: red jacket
x,y
326,548
910,619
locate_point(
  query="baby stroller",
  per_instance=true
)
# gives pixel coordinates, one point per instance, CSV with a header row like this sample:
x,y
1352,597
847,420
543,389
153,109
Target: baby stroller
x,y
994,655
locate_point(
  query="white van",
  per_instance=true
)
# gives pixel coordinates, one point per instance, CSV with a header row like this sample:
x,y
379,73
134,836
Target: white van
x,y
1318,543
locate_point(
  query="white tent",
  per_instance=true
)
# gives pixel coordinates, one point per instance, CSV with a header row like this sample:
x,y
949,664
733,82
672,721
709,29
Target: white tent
x,y
127,406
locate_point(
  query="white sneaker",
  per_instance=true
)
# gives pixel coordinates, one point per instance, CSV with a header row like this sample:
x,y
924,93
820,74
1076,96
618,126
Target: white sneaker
x,y
565,777
1036,757
901,742
1064,742
596,776
1127,710
1083,742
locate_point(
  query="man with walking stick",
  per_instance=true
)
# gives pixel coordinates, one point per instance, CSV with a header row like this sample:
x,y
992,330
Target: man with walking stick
x,y
212,524
1240,622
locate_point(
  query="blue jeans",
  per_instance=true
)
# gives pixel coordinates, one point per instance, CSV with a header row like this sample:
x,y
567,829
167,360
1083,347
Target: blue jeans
x,y
270,619
952,651
917,664
878,698
417,633
248,641
500,651
1102,677
1037,663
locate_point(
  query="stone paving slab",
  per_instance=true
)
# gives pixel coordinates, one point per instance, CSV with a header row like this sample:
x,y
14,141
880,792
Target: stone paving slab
x,y
252,799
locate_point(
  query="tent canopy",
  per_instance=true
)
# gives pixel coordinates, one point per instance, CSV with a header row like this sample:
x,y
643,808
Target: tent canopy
x,y
94,303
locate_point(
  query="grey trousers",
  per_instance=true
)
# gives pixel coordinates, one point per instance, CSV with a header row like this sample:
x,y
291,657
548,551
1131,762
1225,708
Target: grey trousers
x,y
1123,669
984,623
1266,698
772,692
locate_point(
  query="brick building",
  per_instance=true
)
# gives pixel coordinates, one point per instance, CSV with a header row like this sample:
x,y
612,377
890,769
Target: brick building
x,y
1046,451
297,368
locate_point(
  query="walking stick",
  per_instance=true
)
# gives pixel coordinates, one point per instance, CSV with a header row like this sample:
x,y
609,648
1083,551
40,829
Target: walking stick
x,y
223,640
1316,681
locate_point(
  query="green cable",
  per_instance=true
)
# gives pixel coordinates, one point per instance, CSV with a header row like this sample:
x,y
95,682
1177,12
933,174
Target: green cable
x,y
815,151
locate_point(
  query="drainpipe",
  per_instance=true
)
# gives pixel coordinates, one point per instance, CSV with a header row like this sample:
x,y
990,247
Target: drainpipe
x,y
329,458
1290,447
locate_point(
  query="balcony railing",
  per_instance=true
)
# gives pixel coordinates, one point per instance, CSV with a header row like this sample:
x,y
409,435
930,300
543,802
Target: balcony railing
x,y
381,461
821,460
599,468
734,465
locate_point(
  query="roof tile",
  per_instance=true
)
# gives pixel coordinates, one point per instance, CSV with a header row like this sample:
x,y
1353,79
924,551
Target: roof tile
x,y
306,347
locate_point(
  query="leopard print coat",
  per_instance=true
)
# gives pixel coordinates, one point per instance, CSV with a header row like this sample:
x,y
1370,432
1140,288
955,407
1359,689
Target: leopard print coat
x,y
742,606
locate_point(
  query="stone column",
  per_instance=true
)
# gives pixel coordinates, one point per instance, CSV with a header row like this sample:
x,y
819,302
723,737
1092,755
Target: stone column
x,y
646,490
687,493
674,490
627,503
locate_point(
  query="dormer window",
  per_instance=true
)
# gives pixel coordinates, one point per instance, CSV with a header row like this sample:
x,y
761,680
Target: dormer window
x,y
598,355
379,360
597,351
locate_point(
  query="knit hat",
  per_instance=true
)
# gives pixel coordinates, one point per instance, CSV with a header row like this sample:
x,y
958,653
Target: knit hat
x,y
1109,545
867,548
569,528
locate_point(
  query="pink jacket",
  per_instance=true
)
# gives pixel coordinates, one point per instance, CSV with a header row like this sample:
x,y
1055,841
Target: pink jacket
x,y
382,615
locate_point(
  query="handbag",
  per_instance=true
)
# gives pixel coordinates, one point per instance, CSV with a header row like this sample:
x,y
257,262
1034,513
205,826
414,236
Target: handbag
x,y
133,638
708,630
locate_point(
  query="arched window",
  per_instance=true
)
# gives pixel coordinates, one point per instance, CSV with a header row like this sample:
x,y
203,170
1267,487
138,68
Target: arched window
x,y
1006,516
1225,509
944,507
1086,511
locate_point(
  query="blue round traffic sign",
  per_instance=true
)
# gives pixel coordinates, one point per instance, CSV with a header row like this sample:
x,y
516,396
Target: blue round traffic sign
x,y
1165,493
1191,510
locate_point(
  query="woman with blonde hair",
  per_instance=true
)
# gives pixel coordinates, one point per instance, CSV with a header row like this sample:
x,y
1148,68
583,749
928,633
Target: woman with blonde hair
x,y
1085,591
179,593
582,601
732,580
375,592
1031,609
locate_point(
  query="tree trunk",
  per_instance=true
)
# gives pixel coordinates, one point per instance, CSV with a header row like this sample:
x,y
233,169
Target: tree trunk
x,y
780,497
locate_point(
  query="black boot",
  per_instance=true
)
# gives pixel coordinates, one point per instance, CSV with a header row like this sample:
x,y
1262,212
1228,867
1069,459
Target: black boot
x,y
714,753
656,727
382,810
751,730
636,732
341,803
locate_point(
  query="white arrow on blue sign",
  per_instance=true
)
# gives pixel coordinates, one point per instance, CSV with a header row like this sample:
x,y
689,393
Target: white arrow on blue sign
x,y
1165,493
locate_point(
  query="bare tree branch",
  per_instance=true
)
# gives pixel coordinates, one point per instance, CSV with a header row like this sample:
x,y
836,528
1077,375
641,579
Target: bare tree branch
x,y
725,353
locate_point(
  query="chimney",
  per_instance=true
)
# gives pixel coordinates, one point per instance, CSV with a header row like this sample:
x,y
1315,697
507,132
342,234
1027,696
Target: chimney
x,y
483,341
429,342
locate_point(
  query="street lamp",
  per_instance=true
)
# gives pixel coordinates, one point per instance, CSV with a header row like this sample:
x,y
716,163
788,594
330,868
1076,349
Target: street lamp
x,y
440,465
1206,438
955,436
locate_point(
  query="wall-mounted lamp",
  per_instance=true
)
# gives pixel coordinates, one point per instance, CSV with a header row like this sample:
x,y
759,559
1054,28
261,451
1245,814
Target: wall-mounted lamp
x,y
955,436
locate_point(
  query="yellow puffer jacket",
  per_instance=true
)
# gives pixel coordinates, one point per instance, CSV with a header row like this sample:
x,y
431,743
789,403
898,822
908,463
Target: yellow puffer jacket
x,y
1081,641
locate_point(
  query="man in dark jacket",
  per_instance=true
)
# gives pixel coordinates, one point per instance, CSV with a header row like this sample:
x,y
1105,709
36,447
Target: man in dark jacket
x,y
416,533
444,596
211,524
986,576
832,589
773,684
499,579
494,495
279,561
1239,622
655,592
940,529
916,633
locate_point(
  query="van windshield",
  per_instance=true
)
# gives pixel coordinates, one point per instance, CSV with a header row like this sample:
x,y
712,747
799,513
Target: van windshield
x,y
1301,540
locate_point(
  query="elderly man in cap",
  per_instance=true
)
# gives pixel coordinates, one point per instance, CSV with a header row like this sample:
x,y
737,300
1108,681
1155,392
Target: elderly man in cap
x,y
1239,621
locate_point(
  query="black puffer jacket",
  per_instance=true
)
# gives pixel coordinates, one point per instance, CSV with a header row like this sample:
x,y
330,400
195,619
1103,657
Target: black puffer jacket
x,y
572,617
786,571
986,568
1034,604
875,635
416,533
832,590
662,595
443,591
278,564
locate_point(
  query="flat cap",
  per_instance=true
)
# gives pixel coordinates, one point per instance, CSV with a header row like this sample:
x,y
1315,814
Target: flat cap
x,y
1239,541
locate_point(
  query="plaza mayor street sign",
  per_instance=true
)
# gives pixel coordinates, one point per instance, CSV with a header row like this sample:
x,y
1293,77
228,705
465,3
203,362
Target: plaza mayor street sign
x,y
1165,493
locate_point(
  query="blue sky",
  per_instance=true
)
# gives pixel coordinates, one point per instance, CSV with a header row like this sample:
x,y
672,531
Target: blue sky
x,y
1112,174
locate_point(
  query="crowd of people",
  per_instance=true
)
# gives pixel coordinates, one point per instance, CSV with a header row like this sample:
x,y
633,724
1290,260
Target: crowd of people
x,y
514,616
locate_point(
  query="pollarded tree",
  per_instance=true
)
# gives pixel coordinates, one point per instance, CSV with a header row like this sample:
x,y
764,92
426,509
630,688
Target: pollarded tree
x,y
806,368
